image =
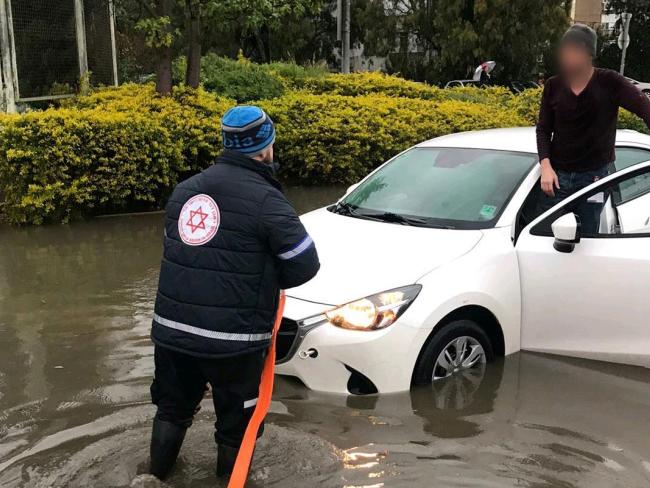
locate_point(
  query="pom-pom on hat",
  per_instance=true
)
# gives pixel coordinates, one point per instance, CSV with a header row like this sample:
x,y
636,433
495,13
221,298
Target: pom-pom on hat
x,y
247,129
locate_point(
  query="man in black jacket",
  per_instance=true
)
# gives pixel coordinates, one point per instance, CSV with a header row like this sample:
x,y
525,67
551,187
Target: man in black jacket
x,y
232,242
576,132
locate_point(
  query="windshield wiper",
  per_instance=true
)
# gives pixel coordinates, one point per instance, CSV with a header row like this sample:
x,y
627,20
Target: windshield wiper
x,y
344,208
399,219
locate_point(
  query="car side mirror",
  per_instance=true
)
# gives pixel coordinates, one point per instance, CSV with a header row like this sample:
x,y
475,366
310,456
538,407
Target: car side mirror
x,y
566,231
351,188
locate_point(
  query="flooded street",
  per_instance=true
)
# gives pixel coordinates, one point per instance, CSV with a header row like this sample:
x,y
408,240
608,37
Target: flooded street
x,y
76,363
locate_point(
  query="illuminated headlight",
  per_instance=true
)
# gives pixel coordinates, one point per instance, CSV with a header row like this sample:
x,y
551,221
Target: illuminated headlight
x,y
374,312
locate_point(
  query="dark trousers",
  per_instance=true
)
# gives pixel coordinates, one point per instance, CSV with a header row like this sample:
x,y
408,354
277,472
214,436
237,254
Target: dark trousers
x,y
570,183
180,382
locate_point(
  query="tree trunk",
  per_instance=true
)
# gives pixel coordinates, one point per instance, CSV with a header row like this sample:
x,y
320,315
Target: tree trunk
x,y
193,73
261,49
266,39
164,63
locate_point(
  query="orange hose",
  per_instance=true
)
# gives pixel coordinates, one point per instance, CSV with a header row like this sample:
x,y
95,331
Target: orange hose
x,y
242,465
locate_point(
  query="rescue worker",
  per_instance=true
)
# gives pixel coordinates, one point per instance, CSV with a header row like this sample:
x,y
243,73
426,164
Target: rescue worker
x,y
576,132
232,242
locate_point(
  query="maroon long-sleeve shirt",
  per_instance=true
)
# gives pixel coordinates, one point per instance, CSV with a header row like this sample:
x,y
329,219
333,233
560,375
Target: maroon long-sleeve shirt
x,y
578,132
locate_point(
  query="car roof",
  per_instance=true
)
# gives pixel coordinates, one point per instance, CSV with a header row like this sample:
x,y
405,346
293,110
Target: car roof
x,y
518,139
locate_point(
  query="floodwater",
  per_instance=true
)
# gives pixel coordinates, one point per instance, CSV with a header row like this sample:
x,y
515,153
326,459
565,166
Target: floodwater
x,y
76,363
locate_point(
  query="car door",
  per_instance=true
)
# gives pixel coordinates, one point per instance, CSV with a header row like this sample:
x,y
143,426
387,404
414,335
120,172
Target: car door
x,y
593,301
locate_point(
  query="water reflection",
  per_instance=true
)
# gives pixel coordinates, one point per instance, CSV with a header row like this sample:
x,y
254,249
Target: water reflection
x,y
75,366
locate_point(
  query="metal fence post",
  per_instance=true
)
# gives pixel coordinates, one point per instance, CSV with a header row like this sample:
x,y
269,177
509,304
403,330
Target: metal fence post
x,y
345,36
111,13
12,46
624,38
80,26
7,69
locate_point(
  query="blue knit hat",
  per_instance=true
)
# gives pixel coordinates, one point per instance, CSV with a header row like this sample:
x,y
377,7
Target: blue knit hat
x,y
247,129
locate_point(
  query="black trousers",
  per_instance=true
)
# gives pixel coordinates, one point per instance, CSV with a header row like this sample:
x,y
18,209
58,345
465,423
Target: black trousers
x,y
180,382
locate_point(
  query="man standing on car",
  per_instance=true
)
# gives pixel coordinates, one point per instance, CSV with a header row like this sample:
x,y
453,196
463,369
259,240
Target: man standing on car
x,y
232,242
576,132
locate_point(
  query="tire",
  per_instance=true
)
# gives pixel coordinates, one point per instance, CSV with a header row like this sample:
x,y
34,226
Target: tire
x,y
646,93
423,374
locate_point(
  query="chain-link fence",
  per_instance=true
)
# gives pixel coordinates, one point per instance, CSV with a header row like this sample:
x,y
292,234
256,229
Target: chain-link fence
x,y
45,44
52,44
99,41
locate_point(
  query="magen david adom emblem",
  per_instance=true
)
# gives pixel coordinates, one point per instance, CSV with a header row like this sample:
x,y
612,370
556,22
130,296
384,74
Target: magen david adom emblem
x,y
199,220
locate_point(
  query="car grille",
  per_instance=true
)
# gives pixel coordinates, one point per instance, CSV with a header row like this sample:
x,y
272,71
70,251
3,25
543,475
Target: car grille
x,y
286,338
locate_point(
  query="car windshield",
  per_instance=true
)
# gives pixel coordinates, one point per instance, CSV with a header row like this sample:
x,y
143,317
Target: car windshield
x,y
441,187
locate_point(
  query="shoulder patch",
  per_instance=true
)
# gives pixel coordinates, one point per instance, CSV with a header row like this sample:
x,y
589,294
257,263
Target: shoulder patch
x,y
199,220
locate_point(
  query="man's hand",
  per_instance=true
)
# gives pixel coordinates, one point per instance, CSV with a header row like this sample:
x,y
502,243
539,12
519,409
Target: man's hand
x,y
549,178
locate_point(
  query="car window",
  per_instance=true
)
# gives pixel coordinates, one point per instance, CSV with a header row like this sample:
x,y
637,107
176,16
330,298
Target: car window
x,y
632,188
621,208
627,156
463,188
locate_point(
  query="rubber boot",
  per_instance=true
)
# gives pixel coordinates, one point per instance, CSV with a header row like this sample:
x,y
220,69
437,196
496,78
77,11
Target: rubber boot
x,y
226,457
166,442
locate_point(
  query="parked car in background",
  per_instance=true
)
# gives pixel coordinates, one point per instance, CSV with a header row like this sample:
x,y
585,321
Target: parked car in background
x,y
513,86
463,83
644,87
436,263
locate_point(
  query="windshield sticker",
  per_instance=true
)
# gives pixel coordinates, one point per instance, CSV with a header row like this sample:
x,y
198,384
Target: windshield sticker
x,y
487,212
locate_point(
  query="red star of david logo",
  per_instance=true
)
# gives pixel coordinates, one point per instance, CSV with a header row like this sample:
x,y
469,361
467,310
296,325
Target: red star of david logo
x,y
201,223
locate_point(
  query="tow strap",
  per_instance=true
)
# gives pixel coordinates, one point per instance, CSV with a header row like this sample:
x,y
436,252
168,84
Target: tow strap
x,y
242,465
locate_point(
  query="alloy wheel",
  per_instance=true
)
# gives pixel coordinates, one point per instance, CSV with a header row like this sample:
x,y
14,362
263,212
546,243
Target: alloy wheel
x,y
462,354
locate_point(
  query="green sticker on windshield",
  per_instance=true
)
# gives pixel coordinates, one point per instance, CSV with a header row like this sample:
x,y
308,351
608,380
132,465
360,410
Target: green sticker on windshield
x,y
487,212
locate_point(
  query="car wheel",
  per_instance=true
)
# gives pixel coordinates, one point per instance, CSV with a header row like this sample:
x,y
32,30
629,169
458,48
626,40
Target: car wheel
x,y
647,93
460,347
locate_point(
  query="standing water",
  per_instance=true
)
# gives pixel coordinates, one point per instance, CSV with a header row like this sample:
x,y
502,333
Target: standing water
x,y
76,364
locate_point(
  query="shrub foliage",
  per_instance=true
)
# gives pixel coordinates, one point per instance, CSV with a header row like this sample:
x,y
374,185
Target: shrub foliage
x,y
117,149
125,148
337,139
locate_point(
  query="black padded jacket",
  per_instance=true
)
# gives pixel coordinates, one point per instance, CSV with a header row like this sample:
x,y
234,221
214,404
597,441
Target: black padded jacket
x,y
232,241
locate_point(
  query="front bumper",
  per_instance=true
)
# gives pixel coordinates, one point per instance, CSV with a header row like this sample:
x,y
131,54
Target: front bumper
x,y
331,359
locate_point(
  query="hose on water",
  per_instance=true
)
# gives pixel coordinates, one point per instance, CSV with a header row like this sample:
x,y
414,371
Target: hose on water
x,y
242,465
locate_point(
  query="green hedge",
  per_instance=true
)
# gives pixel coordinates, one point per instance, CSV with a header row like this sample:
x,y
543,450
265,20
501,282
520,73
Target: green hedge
x,y
245,81
125,148
119,149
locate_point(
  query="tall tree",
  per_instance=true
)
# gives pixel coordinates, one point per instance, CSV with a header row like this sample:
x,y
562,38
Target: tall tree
x,y
258,19
155,19
171,27
454,36
194,37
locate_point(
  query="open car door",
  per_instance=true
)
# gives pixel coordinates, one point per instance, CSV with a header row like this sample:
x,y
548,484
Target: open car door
x,y
589,295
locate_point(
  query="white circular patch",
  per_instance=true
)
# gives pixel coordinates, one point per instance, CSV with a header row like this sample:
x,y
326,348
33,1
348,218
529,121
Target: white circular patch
x,y
199,220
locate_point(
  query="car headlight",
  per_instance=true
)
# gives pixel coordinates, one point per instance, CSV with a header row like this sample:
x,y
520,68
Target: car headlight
x,y
374,312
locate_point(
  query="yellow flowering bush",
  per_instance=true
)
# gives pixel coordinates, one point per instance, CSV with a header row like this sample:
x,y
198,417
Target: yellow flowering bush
x,y
370,83
116,149
338,139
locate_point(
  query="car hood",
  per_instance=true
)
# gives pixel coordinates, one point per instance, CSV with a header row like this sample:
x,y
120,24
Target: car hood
x,y
362,257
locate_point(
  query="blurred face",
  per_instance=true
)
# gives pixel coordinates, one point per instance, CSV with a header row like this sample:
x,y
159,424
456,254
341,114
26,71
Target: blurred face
x,y
574,60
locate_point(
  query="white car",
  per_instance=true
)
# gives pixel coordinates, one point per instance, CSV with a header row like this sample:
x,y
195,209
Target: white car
x,y
436,263
644,87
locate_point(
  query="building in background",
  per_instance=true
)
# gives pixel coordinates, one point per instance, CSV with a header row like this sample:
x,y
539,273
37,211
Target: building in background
x,y
588,12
